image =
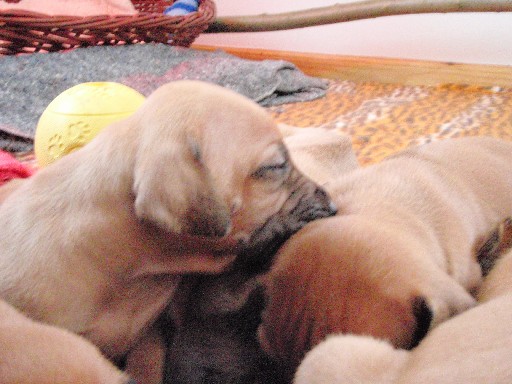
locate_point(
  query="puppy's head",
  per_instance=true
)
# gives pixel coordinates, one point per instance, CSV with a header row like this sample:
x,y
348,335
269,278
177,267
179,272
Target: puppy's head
x,y
211,163
346,275
173,183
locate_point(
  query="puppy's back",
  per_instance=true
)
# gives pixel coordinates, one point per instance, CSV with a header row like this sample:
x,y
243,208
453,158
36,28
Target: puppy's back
x,y
449,192
484,163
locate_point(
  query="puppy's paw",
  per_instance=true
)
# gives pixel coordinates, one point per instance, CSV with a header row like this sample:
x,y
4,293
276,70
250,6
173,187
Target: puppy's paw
x,y
448,301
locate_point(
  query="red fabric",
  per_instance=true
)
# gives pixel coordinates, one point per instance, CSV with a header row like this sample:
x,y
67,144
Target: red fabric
x,y
10,168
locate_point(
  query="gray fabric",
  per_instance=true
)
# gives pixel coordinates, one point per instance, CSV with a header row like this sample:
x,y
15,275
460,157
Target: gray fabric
x,y
29,83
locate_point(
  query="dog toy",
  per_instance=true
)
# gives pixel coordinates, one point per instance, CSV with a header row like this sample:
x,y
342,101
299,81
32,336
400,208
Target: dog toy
x,y
182,7
78,114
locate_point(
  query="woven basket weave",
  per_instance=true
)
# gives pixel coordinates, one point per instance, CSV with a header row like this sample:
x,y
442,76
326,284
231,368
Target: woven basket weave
x,y
27,32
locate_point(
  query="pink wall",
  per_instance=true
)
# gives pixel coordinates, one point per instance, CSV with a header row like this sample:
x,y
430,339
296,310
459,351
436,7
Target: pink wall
x,y
484,38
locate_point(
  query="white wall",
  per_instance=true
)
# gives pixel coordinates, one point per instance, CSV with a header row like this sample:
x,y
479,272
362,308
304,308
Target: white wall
x,y
484,38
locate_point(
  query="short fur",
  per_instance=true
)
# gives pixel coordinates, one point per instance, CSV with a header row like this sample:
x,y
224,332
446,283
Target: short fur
x,y
36,353
321,154
215,338
8,188
470,348
98,241
400,256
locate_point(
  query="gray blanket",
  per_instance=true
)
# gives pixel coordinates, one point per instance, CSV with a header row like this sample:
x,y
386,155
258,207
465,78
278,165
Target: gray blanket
x,y
29,83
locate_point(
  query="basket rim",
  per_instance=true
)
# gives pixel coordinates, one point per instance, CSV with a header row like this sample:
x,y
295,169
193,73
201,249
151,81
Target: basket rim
x,y
39,18
23,31
25,14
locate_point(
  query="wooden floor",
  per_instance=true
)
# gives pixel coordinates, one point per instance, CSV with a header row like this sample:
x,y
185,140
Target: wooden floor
x,y
395,71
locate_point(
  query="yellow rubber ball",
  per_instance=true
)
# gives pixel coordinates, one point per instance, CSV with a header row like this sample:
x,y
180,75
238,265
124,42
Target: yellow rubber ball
x,y
78,114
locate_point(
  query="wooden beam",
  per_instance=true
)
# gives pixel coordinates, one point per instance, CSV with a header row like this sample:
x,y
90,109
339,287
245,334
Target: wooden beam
x,y
407,72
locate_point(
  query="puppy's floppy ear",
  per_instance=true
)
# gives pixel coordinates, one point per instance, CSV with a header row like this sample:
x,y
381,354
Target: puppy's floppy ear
x,y
173,189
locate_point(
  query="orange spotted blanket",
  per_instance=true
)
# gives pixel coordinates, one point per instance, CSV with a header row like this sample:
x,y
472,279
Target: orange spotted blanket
x,y
381,119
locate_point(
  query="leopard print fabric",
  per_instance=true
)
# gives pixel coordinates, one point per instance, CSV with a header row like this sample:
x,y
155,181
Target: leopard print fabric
x,y
382,119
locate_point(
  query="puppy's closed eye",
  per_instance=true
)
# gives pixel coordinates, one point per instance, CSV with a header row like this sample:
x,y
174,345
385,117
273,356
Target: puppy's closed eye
x,y
272,171
276,168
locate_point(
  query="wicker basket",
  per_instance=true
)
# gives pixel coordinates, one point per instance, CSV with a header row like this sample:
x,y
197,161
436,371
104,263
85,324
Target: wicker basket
x,y
27,32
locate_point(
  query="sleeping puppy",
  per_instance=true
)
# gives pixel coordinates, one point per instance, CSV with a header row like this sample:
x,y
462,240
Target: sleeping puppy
x,y
400,256
98,241
214,336
36,353
471,348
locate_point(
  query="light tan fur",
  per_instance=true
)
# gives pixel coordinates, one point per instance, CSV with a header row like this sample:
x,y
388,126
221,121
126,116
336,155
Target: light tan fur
x,y
470,348
215,323
98,241
8,188
400,256
36,353
321,154
499,280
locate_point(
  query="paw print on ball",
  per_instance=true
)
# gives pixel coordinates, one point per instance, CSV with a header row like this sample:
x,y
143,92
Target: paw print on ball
x,y
78,114
74,136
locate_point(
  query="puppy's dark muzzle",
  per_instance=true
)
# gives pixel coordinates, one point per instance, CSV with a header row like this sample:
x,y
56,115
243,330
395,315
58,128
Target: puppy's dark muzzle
x,y
209,218
306,203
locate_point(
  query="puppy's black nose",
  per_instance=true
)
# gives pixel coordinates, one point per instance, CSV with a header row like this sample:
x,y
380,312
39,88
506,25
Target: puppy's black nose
x,y
328,205
333,209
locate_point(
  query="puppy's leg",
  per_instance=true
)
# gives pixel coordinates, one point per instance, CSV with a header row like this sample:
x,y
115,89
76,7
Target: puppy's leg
x,y
145,361
449,300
